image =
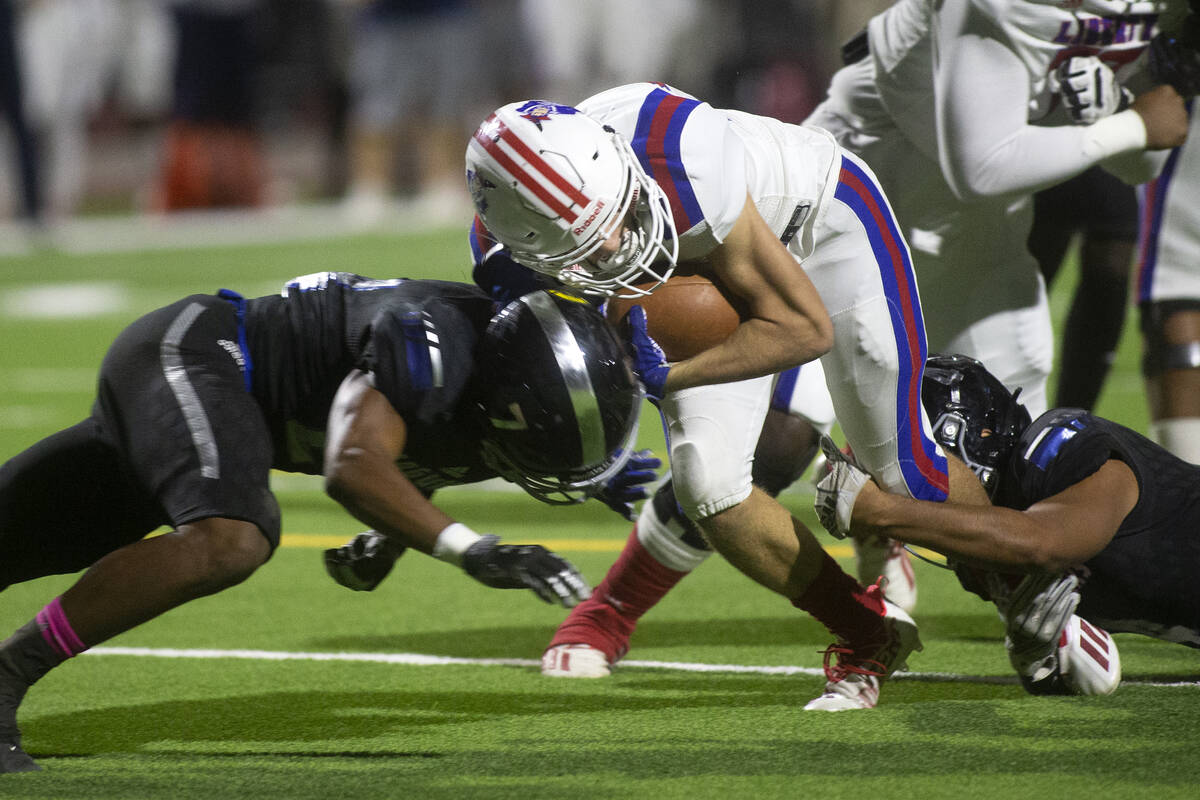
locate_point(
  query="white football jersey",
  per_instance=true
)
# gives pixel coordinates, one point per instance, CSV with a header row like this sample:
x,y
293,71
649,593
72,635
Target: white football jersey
x,y
706,160
1169,248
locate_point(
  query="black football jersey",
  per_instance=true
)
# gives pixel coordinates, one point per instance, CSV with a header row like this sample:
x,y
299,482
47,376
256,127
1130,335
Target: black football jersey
x,y
1145,580
417,340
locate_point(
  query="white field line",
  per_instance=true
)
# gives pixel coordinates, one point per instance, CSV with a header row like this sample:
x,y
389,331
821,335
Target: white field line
x,y
422,660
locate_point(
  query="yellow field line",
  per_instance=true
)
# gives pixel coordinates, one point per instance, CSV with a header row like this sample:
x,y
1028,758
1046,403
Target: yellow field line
x,y
558,545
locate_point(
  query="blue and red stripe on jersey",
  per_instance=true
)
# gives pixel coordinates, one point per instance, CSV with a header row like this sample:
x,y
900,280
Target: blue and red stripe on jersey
x,y
1153,209
656,143
923,467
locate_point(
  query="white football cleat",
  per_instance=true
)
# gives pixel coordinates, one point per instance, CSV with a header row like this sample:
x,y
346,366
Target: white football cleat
x,y
575,661
880,557
853,682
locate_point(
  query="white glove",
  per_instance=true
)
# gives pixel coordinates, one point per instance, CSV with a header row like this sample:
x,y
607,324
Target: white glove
x,y
1089,89
1035,614
838,490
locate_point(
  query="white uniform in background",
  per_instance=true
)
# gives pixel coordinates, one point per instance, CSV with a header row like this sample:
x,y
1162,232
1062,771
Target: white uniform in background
x,y
1170,239
954,110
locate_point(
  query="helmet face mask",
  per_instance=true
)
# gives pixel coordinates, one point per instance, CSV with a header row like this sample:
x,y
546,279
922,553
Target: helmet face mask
x,y
553,185
974,416
561,404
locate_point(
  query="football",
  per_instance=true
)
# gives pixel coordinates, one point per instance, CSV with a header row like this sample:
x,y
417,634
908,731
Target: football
x,y
686,315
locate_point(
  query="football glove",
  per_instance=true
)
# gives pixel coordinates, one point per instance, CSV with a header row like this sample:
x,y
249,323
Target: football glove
x,y
838,490
1035,614
629,485
1176,59
362,563
1089,89
649,360
525,566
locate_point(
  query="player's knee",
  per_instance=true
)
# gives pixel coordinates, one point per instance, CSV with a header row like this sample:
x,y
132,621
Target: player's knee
x,y
785,449
224,552
707,477
673,539
1170,336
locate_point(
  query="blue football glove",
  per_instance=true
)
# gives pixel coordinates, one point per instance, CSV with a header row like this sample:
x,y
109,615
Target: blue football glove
x,y
629,485
649,360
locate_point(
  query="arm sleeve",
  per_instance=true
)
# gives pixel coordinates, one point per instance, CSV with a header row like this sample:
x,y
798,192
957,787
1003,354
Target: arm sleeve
x,y
986,145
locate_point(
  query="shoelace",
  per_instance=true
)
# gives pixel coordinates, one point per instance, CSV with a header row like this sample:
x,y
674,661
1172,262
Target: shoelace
x,y
846,663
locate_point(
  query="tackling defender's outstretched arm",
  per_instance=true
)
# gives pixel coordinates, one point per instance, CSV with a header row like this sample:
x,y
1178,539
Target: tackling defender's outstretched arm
x,y
1052,535
365,438
787,323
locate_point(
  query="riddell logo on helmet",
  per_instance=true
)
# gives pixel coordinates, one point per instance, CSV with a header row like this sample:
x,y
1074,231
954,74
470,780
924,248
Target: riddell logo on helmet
x,y
583,226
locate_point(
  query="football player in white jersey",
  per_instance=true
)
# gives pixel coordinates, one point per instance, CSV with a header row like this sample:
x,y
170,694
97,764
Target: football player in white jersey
x,y
1168,293
957,106
610,196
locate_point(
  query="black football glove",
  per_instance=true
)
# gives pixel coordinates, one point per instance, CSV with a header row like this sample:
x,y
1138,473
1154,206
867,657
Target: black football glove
x,y
362,563
525,566
1176,59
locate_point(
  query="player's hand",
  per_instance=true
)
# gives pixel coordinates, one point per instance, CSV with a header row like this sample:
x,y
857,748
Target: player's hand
x,y
1089,89
1035,614
629,485
362,563
838,491
1174,59
525,566
1164,115
649,360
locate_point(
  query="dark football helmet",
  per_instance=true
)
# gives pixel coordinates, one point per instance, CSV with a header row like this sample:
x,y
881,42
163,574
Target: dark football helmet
x,y
974,416
560,401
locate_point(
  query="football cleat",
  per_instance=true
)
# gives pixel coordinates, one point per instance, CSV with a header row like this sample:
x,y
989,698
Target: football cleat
x,y
879,556
854,677
14,759
575,661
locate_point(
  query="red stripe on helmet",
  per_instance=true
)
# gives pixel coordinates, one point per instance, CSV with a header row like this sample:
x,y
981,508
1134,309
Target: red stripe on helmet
x,y
531,182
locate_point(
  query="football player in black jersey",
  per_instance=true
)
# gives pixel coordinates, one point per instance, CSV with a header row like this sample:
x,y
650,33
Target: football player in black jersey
x,y
390,389
1103,523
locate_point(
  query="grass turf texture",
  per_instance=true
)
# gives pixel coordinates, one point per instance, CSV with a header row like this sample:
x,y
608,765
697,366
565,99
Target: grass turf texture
x,y
146,727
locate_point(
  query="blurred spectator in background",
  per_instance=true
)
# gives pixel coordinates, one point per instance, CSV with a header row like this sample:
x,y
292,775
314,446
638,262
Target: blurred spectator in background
x,y
414,69
12,105
583,46
214,157
74,54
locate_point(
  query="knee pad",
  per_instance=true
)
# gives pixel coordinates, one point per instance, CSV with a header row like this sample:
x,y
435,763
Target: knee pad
x,y
1088,658
1160,355
668,535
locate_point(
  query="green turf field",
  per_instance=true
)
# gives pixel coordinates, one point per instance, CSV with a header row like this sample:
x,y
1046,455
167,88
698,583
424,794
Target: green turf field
x,y
290,686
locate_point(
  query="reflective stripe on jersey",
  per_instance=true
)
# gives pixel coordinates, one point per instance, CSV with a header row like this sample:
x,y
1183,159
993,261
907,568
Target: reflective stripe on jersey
x,y
924,469
656,143
541,179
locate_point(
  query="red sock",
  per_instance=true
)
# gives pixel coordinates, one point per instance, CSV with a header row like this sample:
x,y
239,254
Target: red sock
x,y
842,605
631,588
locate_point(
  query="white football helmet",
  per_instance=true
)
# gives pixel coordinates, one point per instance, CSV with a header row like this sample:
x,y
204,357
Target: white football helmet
x,y
552,185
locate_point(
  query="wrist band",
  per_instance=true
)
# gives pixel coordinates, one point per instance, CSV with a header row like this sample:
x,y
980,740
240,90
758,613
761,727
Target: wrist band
x,y
453,541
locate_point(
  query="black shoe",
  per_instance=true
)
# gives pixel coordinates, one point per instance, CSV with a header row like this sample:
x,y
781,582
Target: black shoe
x,y
14,759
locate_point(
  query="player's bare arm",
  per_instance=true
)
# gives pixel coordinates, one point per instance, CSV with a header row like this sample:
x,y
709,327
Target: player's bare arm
x,y
365,438
1165,116
1052,535
786,323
